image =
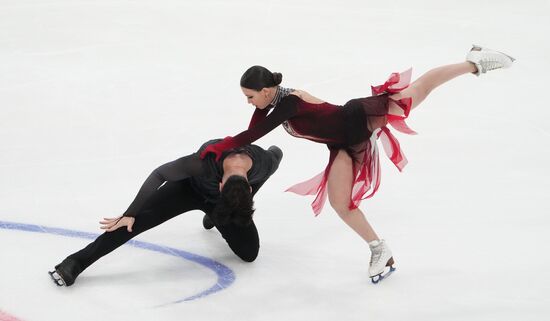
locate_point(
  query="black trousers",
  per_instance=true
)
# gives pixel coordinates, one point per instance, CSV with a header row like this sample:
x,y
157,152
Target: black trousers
x,y
172,199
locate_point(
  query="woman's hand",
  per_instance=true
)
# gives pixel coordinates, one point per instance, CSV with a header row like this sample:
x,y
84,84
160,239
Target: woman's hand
x,y
111,224
211,149
218,148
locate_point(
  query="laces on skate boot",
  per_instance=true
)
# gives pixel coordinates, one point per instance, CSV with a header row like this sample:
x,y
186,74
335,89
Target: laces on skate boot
x,y
56,278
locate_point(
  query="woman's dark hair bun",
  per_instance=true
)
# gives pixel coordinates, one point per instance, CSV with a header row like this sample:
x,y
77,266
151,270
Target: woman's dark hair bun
x,y
277,78
258,77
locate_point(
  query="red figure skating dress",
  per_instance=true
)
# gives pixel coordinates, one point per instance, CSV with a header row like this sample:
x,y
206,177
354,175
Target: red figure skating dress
x,y
339,127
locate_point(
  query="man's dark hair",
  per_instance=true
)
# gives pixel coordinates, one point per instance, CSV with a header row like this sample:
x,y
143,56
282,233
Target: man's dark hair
x,y
235,204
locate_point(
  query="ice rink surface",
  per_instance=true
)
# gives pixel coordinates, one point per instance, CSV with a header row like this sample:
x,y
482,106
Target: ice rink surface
x,y
96,94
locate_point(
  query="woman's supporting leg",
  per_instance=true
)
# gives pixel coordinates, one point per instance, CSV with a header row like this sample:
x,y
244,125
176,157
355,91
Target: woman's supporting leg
x,y
432,79
340,180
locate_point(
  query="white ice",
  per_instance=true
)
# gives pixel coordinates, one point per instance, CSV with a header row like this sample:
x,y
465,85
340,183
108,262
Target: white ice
x,y
96,94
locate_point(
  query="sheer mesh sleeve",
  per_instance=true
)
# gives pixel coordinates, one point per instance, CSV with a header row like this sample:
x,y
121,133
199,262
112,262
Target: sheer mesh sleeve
x,y
286,109
259,126
177,170
259,115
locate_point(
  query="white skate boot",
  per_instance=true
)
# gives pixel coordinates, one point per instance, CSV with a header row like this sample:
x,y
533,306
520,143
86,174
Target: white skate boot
x,y
381,257
486,59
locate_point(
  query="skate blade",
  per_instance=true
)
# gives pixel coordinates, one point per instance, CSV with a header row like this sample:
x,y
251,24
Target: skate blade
x,y
56,278
379,277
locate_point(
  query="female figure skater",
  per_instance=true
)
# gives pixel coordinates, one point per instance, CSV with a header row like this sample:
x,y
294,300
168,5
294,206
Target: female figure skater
x,y
350,132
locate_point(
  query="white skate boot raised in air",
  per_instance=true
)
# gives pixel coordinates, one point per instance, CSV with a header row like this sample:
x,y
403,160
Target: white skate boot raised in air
x,y
486,59
381,257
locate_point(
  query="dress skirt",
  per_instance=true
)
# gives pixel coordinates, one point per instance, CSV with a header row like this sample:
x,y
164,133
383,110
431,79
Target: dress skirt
x,y
366,123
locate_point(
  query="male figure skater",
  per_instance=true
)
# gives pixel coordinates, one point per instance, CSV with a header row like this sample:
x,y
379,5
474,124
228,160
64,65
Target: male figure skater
x,y
223,189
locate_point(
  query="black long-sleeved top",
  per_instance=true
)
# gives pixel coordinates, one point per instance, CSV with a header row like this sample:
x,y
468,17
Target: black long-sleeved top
x,y
206,174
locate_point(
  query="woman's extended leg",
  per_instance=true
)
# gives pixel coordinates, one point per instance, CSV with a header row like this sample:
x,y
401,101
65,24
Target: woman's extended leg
x,y
432,79
340,180
479,60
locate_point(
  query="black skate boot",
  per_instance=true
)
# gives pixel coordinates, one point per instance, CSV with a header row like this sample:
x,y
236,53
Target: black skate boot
x,y
207,222
65,273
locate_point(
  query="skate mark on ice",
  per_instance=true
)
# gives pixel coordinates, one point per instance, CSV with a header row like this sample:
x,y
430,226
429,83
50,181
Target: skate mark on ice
x,y
225,275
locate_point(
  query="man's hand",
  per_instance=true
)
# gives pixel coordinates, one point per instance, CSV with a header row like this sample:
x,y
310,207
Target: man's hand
x,y
111,224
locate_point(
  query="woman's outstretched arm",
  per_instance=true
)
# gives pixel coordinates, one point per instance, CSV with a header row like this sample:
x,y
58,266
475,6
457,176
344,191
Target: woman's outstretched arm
x,y
284,111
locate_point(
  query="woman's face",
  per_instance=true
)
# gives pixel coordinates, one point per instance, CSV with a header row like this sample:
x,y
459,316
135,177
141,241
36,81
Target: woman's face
x,y
260,99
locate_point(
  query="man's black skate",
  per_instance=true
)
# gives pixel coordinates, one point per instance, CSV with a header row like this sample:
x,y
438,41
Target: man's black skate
x,y
65,273
207,222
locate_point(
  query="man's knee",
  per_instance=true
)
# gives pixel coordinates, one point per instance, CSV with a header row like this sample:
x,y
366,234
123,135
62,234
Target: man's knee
x,y
243,241
277,152
248,253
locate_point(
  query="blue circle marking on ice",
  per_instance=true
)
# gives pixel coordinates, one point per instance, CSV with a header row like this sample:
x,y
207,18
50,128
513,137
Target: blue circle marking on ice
x,y
226,277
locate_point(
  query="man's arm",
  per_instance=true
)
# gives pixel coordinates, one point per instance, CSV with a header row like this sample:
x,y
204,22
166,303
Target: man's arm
x,y
276,155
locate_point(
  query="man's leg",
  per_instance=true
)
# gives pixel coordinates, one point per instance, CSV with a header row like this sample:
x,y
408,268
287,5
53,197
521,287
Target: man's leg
x,y
169,201
244,241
